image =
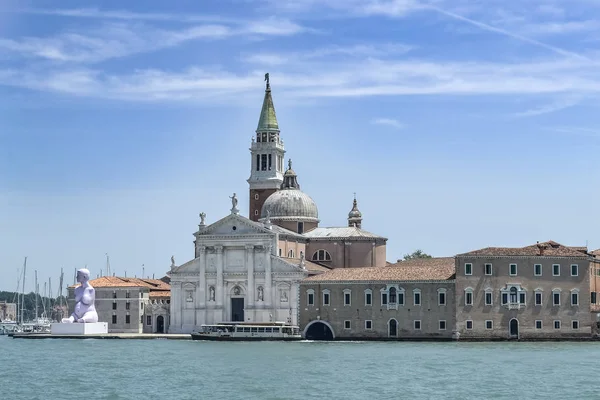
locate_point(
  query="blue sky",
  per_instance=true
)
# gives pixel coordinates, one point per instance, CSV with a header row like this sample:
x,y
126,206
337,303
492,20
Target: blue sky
x,y
459,124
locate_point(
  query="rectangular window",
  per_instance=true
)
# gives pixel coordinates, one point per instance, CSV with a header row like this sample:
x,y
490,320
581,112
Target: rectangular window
x,y
557,324
504,298
114,294
469,325
401,298
114,305
538,298
301,227
574,270
127,306
258,162
489,324
488,269
522,297
513,269
537,270
325,299
442,325
417,325
263,162
574,299
311,299
128,319
538,324
469,269
149,320
555,269
346,299
383,299
368,325
488,298
468,298
593,297
347,324
556,299
270,163
417,298
575,324
442,298
127,294
114,319
368,299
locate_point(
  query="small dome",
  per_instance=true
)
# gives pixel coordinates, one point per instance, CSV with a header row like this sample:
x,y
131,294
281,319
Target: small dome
x,y
291,205
355,216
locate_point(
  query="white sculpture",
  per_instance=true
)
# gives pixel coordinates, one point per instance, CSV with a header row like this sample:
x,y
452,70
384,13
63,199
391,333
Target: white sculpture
x,y
234,203
260,293
202,218
85,295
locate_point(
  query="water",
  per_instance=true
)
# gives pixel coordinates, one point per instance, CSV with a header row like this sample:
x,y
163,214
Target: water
x,y
170,369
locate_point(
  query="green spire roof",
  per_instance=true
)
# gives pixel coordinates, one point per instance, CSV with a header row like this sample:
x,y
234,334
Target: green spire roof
x,y
268,120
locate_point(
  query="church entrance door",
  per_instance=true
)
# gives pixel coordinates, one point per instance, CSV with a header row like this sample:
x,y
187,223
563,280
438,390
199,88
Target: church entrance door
x,y
160,324
237,309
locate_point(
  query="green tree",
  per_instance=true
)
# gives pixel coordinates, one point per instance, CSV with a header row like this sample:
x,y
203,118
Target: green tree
x,y
416,254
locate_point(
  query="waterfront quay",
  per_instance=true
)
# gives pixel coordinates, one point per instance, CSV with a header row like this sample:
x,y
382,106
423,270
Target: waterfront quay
x,y
137,336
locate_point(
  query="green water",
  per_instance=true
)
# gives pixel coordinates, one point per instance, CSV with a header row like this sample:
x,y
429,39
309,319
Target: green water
x,y
165,369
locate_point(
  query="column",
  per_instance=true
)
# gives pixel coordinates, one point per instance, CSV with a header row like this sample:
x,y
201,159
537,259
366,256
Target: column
x,y
219,290
268,278
202,278
250,297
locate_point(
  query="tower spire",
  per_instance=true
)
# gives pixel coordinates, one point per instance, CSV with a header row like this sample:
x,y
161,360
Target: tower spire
x,y
268,120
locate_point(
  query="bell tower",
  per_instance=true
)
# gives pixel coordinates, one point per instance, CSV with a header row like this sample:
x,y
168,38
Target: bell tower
x,y
267,155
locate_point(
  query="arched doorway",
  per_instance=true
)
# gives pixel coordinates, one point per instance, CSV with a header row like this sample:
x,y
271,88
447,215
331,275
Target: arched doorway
x,y
318,330
392,328
160,324
237,304
514,328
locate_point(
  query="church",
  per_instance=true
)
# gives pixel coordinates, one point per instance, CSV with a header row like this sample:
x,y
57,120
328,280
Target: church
x,y
250,268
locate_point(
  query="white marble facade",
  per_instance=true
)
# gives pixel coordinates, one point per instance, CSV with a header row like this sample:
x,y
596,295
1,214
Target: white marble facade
x,y
236,275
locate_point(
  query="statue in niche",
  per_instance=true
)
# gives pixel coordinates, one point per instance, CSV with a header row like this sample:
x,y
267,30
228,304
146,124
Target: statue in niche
x,y
211,293
260,293
284,297
236,291
189,297
85,295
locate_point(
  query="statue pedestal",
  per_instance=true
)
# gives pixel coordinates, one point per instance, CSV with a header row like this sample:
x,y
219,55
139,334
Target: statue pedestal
x,y
93,328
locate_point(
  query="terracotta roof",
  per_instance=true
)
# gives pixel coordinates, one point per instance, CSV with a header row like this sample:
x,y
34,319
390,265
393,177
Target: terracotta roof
x,y
160,293
595,252
341,233
545,249
117,281
426,269
310,266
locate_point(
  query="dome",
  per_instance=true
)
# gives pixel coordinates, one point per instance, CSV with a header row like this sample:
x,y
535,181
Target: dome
x,y
291,205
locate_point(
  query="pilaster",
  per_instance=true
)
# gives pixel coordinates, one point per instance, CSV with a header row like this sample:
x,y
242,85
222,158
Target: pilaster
x,y
250,268
219,297
268,277
202,277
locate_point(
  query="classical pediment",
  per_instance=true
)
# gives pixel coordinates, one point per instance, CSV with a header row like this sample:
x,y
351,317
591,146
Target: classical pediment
x,y
189,267
234,225
280,265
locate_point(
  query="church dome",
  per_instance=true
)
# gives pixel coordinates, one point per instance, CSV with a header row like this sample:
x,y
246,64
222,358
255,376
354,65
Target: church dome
x,y
290,203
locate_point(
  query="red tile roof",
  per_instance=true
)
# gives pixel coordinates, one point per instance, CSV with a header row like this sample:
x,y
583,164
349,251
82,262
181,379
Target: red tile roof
x,y
545,249
425,269
159,293
117,281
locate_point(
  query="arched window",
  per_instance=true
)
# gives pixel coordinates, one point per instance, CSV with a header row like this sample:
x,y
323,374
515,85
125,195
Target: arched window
x,y
468,296
291,253
513,294
392,295
321,255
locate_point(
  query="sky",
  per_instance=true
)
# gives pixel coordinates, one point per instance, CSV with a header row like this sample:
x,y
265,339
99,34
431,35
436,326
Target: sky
x,y
459,124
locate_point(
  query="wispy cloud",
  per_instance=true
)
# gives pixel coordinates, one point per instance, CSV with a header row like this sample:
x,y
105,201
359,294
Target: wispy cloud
x,y
575,131
388,122
558,105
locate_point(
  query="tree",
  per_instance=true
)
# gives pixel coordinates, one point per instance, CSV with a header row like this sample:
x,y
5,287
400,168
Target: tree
x,y
416,254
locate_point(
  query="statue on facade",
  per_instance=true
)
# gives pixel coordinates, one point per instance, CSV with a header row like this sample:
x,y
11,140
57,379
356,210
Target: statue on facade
x,y
172,261
267,78
211,293
234,203
85,296
260,293
202,218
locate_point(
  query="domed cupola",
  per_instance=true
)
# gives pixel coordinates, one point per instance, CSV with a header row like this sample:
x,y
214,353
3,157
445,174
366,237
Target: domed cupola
x,y
355,216
289,207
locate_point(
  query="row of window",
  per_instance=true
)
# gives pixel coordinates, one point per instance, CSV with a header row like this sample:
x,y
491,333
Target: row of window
x,y
517,296
512,269
489,324
127,305
392,296
127,319
416,325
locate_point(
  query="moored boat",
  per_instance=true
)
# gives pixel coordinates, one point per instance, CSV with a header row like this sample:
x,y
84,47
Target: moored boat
x,y
248,331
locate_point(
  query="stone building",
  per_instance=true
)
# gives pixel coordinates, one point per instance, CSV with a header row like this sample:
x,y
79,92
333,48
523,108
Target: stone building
x,y
538,291
407,300
8,311
126,303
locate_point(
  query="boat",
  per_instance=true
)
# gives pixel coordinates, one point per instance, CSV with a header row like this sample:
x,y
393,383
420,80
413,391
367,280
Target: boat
x,y
248,331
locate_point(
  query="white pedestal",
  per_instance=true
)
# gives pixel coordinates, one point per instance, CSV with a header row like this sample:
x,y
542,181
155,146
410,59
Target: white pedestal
x,y
77,328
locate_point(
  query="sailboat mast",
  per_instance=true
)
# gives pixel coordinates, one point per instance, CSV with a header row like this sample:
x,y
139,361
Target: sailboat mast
x,y
23,292
37,293
60,292
50,300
